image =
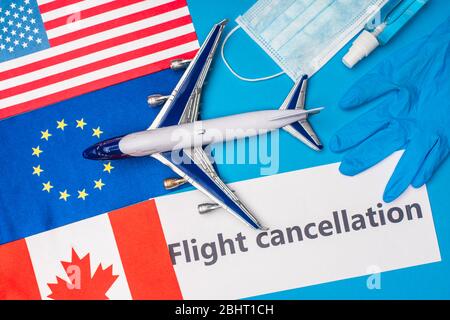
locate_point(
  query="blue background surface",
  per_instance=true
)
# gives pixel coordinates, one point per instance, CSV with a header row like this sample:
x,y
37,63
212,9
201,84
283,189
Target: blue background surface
x,y
225,95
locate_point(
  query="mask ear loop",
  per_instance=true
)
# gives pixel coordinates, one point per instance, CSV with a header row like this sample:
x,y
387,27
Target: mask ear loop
x,y
234,72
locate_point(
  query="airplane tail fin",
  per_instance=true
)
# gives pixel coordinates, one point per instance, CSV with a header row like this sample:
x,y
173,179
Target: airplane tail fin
x,y
302,129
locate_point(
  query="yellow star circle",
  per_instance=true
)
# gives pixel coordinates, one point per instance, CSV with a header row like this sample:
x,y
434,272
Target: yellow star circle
x,y
37,151
64,195
82,194
97,132
37,170
47,187
99,184
45,135
81,123
61,124
108,167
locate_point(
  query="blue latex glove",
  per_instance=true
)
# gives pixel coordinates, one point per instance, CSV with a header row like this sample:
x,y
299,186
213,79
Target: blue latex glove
x,y
412,94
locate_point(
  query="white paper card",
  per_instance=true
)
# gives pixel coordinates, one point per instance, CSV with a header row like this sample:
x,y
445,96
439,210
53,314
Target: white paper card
x,y
309,241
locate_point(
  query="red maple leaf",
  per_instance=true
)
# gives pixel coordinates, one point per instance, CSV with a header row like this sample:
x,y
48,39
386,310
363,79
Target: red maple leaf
x,y
82,286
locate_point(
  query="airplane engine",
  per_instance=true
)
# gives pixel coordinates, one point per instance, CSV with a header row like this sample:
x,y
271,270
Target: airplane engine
x,y
179,64
173,183
156,100
205,208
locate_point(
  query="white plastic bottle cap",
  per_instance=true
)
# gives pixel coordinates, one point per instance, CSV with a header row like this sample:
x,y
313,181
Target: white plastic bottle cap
x,y
361,48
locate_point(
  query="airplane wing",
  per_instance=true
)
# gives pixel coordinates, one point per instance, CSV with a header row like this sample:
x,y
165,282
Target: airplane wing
x,y
202,176
183,107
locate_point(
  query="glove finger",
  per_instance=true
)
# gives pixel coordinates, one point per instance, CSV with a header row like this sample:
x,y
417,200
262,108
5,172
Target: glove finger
x,y
432,162
372,151
366,89
408,166
359,129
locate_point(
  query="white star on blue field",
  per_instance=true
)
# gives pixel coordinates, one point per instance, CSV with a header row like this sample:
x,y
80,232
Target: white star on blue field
x,y
21,29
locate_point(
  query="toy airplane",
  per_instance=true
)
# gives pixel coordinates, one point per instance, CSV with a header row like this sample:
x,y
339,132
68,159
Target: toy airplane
x,y
180,114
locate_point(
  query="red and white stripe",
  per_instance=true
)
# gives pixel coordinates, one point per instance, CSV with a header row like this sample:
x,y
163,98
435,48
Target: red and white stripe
x,y
95,44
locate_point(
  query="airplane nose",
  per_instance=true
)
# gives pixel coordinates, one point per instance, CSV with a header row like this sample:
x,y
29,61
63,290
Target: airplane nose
x,y
92,153
106,150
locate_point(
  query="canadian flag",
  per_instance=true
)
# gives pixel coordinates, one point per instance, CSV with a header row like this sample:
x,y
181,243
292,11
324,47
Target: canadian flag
x,y
119,255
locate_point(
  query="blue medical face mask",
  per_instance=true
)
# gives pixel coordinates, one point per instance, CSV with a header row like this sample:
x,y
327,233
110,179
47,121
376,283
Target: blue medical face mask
x,y
302,35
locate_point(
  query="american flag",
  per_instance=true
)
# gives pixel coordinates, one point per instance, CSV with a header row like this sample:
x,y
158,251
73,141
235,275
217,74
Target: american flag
x,y
51,50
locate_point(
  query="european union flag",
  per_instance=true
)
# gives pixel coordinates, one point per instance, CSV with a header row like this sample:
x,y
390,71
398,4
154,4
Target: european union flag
x,y
46,183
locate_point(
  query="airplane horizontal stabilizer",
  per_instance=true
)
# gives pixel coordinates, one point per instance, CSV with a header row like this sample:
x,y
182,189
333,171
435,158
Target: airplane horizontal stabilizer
x,y
302,129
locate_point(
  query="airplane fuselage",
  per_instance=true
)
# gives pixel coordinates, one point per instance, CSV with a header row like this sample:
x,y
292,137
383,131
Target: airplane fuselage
x,y
175,129
195,134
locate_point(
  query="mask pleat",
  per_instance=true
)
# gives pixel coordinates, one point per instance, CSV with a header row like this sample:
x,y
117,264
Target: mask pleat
x,y
306,18
284,19
262,16
301,35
